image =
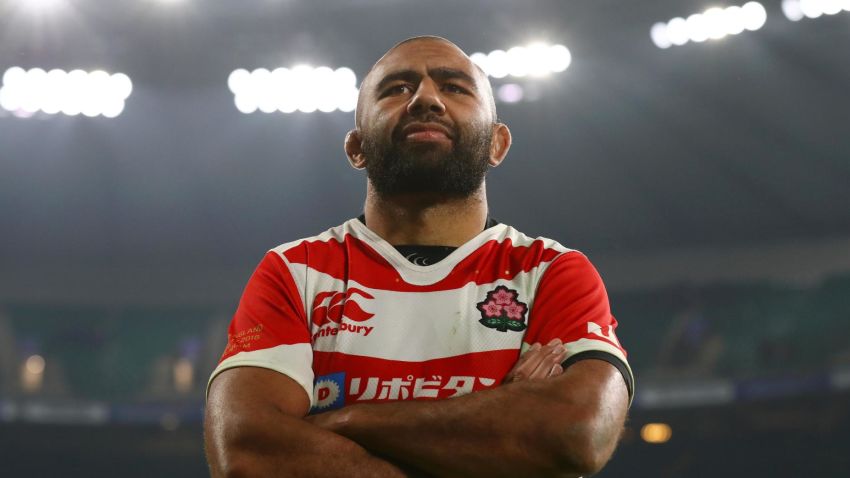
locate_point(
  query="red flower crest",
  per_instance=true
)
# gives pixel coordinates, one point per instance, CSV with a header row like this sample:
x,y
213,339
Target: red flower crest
x,y
502,311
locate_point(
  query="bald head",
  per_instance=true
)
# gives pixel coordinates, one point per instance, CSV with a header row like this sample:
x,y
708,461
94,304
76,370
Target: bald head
x,y
403,49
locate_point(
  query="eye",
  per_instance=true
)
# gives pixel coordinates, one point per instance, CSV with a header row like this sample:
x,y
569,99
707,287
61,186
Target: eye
x,y
455,88
399,89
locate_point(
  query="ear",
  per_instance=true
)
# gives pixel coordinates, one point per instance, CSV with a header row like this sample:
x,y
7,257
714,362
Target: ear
x,y
354,150
500,143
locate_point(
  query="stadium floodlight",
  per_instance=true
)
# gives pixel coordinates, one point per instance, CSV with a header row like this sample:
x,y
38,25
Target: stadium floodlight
x,y
26,92
796,10
301,88
712,24
534,60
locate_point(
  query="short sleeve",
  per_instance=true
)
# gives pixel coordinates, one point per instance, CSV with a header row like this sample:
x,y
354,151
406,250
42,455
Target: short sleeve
x,y
571,304
270,328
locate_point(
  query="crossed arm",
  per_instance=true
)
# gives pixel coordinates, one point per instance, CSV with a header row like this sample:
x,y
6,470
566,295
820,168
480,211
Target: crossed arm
x,y
542,421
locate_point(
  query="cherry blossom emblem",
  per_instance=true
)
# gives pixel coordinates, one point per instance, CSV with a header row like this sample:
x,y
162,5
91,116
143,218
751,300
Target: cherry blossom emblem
x,y
502,311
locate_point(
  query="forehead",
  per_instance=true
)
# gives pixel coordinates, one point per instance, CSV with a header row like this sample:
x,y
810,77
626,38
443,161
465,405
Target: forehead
x,y
421,56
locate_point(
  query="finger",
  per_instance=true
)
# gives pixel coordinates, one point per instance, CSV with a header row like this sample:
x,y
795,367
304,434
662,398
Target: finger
x,y
528,362
544,366
557,369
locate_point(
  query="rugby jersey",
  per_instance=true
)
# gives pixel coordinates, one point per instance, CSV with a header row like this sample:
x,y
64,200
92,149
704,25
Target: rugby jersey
x,y
351,320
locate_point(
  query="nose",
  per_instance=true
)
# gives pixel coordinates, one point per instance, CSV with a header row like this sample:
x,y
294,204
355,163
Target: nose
x,y
426,99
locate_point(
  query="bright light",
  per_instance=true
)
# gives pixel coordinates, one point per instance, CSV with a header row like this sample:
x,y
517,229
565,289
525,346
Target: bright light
x,y
480,59
535,60
795,10
811,8
697,28
345,76
300,88
510,93
754,15
112,108
120,86
656,432
238,80
831,7
518,61
559,58
734,21
245,103
14,77
538,60
677,31
26,92
35,364
497,64
32,373
718,22
659,36
184,373
792,10
305,87
712,24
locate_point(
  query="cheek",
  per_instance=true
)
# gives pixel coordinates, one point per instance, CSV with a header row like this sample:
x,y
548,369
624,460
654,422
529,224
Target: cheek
x,y
384,125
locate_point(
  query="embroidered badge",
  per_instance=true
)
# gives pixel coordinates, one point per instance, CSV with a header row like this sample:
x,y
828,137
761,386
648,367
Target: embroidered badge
x,y
502,311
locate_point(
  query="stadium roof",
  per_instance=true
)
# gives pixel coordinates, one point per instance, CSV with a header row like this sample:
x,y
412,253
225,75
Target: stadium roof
x,y
738,141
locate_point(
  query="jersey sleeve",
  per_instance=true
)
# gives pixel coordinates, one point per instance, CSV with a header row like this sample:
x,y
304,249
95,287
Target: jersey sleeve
x,y
571,304
270,328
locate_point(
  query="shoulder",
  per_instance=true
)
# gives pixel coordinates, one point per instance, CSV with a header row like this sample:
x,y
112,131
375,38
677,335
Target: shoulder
x,y
334,234
542,248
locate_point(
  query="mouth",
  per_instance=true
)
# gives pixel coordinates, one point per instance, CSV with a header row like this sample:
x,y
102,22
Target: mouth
x,y
426,132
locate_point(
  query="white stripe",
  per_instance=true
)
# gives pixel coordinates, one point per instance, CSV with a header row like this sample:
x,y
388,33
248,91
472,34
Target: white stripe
x,y
439,324
294,361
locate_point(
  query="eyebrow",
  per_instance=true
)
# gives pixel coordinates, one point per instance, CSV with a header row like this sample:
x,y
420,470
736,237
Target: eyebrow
x,y
441,74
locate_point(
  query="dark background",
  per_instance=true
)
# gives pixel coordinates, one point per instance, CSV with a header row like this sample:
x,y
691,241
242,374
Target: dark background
x,y
709,180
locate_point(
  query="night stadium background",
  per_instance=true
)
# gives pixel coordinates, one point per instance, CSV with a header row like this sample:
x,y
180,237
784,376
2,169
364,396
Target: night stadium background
x,y
701,162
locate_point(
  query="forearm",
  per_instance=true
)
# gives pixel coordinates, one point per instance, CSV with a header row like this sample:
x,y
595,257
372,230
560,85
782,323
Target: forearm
x,y
517,429
273,444
253,426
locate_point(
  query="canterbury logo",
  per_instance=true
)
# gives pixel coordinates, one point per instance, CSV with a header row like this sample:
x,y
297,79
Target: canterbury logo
x,y
333,306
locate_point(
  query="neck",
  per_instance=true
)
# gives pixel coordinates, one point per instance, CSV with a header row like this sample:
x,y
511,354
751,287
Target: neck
x,y
426,220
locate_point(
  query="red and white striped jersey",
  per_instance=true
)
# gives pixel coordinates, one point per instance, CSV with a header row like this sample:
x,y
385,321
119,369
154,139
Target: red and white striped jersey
x,y
350,319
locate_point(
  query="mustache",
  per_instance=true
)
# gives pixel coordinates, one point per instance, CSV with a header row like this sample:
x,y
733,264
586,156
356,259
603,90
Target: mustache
x,y
398,136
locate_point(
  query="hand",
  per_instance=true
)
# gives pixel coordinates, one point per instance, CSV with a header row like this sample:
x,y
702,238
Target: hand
x,y
331,420
538,362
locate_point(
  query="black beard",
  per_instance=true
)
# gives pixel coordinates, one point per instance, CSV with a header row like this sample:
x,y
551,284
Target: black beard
x,y
398,167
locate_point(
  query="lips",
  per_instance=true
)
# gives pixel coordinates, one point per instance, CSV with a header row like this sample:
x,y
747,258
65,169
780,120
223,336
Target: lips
x,y
426,132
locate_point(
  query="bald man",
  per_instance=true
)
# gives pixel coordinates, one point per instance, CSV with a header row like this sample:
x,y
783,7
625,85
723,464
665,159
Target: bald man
x,y
410,341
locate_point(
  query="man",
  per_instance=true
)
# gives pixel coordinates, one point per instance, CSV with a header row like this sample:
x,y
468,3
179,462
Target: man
x,y
401,332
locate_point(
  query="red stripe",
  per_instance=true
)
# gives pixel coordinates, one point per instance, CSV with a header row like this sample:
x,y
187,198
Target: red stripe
x,y
492,261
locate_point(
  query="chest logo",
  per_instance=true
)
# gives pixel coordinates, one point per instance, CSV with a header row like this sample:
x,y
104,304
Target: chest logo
x,y
339,312
333,306
502,311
